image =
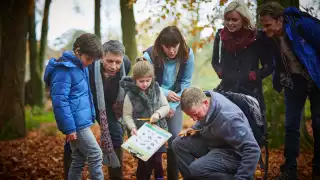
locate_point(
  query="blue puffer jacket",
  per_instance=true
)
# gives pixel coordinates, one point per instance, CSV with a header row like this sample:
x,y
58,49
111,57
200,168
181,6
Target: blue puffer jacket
x,y
303,34
70,93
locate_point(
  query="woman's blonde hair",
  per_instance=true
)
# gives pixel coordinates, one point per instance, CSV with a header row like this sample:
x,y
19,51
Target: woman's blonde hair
x,y
142,68
240,7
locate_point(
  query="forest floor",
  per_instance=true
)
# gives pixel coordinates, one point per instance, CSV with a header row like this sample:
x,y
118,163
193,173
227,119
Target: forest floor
x,y
40,156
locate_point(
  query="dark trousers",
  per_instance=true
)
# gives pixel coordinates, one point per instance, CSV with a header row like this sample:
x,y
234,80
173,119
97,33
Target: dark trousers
x,y
117,173
66,159
114,173
196,161
174,127
294,101
145,169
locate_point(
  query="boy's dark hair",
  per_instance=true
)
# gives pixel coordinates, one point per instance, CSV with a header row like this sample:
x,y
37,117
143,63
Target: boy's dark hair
x,y
88,44
272,9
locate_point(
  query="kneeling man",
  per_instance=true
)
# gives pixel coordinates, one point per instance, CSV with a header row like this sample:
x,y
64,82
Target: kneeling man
x,y
220,145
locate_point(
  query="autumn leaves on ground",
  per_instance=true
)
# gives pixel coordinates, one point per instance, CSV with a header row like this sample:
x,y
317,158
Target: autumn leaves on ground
x,y
40,156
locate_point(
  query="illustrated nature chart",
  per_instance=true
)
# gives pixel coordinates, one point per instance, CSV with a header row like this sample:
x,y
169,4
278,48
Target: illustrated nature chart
x,y
148,140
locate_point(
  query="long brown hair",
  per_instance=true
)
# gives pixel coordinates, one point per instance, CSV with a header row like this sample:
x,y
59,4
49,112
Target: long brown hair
x,y
169,36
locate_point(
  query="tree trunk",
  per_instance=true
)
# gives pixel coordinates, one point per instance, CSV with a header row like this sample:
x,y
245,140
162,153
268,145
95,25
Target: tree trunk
x,y
35,94
0,40
128,25
44,34
14,18
97,19
38,84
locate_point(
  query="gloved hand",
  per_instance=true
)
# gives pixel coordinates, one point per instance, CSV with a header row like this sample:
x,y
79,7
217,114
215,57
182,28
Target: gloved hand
x,y
252,76
219,73
188,132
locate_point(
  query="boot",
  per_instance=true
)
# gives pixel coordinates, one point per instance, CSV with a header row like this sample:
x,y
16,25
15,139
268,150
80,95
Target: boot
x,y
315,172
66,159
287,173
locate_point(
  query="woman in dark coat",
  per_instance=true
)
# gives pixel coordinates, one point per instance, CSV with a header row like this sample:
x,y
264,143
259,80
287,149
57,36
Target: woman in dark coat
x,y
240,54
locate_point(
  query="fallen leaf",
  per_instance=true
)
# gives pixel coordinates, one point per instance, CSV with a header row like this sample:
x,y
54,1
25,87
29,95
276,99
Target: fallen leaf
x,y
39,156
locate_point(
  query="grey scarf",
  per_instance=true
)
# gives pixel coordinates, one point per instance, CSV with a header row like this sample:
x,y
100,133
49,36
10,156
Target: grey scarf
x,y
109,156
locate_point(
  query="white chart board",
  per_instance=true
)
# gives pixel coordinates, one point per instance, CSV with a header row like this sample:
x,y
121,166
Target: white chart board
x,y
148,140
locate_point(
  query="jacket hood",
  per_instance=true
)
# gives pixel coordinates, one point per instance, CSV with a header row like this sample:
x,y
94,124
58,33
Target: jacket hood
x,y
214,107
67,60
128,84
291,10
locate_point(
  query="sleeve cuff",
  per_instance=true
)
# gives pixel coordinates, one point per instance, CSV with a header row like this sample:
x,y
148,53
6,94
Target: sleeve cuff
x,y
165,91
69,132
196,126
174,105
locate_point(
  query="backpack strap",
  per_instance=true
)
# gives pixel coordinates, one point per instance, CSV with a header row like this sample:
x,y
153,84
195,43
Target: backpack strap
x,y
177,84
157,68
220,47
149,51
122,70
181,71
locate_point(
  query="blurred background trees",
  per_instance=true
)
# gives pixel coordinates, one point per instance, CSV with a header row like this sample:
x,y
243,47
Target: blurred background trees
x,y
26,45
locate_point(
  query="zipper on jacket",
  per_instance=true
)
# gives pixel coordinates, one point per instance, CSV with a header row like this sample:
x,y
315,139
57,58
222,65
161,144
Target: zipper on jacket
x,y
235,56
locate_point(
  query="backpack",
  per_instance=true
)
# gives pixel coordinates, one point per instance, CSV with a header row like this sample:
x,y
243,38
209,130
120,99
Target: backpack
x,y
251,109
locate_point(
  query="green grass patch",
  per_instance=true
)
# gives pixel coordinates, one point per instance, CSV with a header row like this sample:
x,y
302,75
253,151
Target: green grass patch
x,y
35,117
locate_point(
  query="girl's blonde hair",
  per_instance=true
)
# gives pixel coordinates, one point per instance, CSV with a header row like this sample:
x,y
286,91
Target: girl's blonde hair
x,y
240,7
142,68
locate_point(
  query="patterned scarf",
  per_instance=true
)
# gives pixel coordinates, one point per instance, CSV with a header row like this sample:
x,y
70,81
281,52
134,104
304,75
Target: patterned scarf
x,y
109,156
234,41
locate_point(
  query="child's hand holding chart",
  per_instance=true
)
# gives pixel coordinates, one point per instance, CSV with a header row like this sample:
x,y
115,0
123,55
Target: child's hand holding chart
x,y
148,140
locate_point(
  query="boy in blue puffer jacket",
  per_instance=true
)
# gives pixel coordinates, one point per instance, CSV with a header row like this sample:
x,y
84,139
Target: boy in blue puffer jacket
x,y
72,103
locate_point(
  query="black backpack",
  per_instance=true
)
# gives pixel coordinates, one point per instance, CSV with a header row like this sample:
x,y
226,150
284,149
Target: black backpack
x,y
251,108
